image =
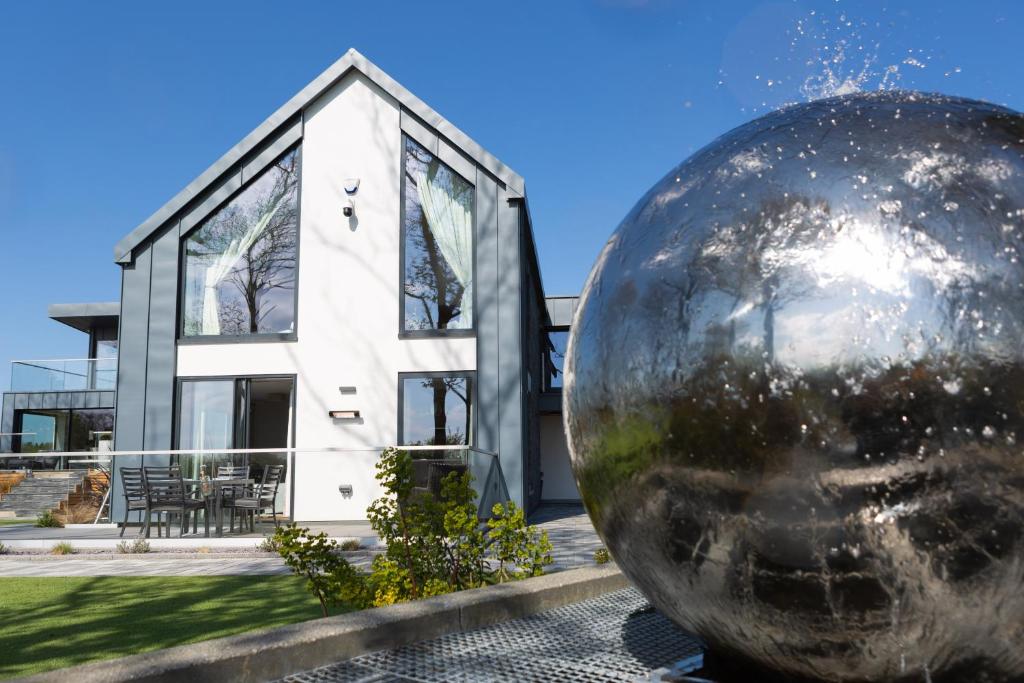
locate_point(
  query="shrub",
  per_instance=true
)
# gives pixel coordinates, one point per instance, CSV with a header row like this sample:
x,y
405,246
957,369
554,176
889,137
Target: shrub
x,y
48,519
133,547
350,544
522,551
4,549
62,548
328,576
268,544
433,545
601,556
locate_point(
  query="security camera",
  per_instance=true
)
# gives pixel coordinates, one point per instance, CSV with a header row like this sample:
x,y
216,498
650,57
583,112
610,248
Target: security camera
x,y
348,208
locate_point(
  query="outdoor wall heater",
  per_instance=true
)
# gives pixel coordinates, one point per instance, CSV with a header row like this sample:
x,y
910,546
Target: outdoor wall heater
x,y
344,414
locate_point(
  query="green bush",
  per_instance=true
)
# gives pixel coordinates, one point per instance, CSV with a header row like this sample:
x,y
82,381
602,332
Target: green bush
x,y
268,544
4,549
351,544
331,579
521,551
601,556
48,519
433,545
138,545
62,548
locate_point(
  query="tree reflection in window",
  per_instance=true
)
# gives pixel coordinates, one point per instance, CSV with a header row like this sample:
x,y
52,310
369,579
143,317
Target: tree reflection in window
x,y
437,411
240,263
438,234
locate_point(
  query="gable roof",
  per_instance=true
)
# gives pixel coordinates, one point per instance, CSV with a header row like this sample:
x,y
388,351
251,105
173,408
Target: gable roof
x,y
351,61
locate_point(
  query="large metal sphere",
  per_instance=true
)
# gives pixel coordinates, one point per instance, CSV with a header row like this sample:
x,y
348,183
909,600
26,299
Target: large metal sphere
x,y
795,390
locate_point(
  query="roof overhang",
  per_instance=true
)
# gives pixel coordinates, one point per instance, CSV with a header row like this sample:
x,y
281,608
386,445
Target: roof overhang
x,y
351,61
85,317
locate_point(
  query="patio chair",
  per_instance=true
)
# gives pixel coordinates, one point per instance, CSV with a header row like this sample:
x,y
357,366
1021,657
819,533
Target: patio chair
x,y
134,496
234,472
264,498
165,493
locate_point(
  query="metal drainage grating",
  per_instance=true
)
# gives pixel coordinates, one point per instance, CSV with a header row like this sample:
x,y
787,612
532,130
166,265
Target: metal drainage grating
x,y
614,637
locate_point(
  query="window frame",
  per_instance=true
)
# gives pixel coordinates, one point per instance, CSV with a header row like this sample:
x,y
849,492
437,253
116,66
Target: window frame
x,y
547,387
259,337
432,332
474,412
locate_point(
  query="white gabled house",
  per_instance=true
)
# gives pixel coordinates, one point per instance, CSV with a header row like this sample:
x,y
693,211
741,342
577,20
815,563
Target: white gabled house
x,y
355,273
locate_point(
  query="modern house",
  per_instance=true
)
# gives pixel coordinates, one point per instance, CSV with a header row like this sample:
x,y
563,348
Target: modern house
x,y
355,273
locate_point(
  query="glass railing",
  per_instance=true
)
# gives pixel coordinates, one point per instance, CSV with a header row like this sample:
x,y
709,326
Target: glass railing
x,y
312,484
75,374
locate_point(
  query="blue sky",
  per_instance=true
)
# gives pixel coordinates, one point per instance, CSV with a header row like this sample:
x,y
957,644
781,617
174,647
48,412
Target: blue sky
x,y
108,109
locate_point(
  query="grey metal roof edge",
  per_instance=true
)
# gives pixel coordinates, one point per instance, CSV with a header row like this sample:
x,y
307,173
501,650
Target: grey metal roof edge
x,y
82,317
93,309
350,60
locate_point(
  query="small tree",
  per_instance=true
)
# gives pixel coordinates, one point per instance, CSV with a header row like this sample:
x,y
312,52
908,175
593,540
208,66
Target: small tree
x,y
521,551
328,576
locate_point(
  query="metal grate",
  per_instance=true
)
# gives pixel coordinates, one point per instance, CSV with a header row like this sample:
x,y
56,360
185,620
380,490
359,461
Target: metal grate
x,y
615,637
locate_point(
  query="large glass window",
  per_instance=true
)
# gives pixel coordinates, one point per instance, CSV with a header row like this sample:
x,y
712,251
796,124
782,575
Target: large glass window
x,y
554,357
48,431
437,233
437,409
42,431
91,430
240,262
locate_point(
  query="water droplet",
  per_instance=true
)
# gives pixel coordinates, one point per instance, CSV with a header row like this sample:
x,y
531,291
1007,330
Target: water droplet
x,y
988,431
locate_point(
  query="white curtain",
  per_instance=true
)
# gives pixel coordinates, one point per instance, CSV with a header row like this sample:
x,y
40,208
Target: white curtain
x,y
451,224
226,262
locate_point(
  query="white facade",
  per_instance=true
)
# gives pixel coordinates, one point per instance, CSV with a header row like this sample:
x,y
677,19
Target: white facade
x,y
348,304
559,483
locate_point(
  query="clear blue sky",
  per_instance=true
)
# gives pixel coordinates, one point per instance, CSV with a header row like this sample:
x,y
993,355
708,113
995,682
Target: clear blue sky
x,y
107,109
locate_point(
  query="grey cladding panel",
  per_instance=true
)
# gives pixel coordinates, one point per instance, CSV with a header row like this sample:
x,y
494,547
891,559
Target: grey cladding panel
x,y
272,151
194,217
163,324
561,309
6,422
65,400
132,352
488,396
458,161
510,353
415,129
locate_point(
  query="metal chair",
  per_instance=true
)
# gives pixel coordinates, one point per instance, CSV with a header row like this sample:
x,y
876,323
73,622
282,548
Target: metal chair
x,y
233,472
134,496
265,497
165,493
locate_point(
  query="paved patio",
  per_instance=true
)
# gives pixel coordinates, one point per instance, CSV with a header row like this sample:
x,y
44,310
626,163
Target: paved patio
x,y
572,536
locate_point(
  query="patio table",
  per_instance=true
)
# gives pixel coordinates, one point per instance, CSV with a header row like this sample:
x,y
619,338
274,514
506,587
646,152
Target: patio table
x,y
217,486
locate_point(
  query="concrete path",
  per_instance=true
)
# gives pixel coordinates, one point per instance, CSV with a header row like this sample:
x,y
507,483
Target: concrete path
x,y
142,567
572,536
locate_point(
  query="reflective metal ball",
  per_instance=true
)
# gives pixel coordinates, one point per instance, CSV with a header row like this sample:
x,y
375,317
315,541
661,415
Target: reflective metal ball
x,y
795,391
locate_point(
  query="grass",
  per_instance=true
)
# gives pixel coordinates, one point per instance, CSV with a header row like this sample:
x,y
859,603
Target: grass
x,y
54,622
7,521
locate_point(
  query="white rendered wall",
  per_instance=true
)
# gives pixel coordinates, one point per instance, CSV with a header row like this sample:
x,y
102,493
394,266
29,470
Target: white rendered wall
x,y
559,483
348,305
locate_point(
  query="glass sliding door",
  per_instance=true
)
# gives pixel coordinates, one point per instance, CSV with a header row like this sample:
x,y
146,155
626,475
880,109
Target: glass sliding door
x,y
206,421
236,413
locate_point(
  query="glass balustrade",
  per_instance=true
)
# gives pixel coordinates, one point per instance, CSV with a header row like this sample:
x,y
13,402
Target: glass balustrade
x,y
77,374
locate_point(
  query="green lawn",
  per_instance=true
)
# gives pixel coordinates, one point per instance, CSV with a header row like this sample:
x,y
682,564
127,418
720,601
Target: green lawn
x,y
49,623
4,521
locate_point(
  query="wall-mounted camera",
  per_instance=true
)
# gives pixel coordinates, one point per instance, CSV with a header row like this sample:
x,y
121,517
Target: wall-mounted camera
x,y
348,208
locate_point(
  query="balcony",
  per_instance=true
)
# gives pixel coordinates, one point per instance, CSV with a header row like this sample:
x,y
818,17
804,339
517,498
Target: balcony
x,y
74,374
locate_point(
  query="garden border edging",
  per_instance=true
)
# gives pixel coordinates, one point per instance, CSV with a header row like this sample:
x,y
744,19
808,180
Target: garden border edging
x,y
273,653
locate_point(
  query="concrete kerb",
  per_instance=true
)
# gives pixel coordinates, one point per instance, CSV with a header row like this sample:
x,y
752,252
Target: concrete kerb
x,y
271,654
